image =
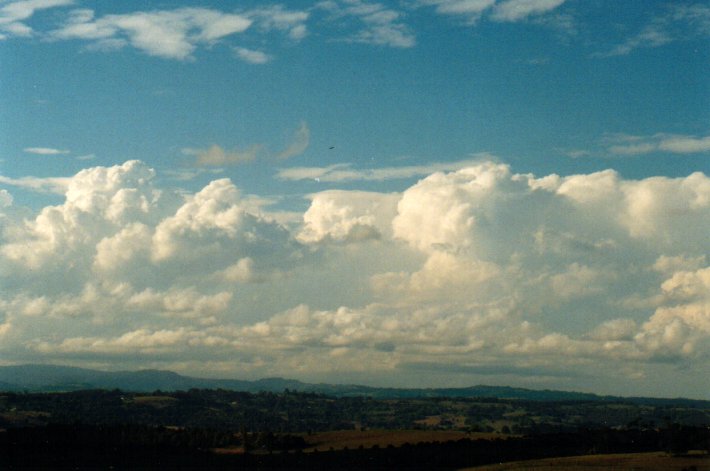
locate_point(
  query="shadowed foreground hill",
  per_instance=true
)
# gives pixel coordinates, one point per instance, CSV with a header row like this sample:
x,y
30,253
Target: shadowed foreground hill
x,y
656,461
128,447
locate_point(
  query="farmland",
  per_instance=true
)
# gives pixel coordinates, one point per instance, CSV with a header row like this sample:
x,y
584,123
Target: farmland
x,y
355,439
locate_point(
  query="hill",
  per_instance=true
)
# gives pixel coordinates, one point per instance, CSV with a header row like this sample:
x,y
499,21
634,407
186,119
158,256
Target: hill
x,y
51,378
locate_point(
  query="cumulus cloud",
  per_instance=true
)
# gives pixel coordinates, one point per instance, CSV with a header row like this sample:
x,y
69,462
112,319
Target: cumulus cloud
x,y
506,249
476,268
171,34
348,215
178,33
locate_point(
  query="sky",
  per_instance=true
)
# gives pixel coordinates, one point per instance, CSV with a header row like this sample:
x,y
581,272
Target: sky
x,y
411,193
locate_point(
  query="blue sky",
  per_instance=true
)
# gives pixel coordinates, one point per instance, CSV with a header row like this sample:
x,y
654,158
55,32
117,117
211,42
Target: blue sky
x,y
386,175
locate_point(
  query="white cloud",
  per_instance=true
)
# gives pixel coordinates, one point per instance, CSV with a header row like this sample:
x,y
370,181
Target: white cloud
x,y
666,264
661,142
664,210
344,172
477,263
516,10
171,34
503,11
348,216
44,151
578,280
440,210
615,330
252,56
114,251
56,185
12,15
276,17
213,222
685,144
178,33
96,201
471,9
378,24
633,149
5,198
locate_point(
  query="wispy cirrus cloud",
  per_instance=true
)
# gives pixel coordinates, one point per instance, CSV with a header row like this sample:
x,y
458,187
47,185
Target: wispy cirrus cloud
x,y
503,11
378,24
299,143
345,172
620,144
45,151
627,145
277,18
53,185
472,10
678,23
516,10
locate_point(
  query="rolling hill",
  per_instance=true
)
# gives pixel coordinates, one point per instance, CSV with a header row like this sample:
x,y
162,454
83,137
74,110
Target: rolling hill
x,y
52,378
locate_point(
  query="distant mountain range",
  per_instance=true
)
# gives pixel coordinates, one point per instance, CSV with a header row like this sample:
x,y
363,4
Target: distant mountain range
x,y
50,378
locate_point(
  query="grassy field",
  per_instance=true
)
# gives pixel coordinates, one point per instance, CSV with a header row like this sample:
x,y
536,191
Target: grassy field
x,y
622,462
154,401
353,439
